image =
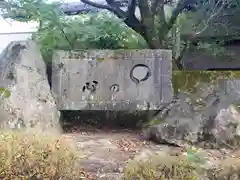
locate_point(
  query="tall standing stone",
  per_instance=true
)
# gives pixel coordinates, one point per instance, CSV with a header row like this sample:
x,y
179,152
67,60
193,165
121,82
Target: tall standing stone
x,y
23,73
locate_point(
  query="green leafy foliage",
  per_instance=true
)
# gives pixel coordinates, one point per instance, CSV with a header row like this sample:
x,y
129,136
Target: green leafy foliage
x,y
188,81
96,31
31,10
86,31
100,30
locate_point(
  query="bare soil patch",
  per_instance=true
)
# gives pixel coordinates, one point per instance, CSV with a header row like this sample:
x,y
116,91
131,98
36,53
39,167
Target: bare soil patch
x,y
107,151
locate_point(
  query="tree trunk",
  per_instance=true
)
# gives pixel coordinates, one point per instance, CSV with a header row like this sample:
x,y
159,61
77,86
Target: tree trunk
x,y
138,27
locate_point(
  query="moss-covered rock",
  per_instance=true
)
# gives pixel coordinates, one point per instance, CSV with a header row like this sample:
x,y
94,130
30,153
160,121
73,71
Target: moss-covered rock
x,y
188,81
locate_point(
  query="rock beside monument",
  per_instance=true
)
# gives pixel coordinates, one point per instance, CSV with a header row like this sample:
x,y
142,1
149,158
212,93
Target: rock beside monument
x,y
23,73
206,116
227,126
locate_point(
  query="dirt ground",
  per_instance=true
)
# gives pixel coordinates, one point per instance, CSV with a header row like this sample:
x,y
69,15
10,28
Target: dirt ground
x,y
106,151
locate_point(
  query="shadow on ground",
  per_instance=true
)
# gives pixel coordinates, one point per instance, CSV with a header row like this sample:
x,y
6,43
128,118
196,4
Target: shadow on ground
x,y
103,119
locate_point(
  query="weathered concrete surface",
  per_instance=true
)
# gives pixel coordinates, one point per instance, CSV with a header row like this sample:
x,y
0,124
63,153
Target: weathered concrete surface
x,y
31,103
109,79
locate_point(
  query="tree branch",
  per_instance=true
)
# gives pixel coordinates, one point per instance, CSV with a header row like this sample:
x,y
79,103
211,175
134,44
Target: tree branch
x,y
129,19
150,30
132,7
176,12
145,11
111,6
179,58
216,11
158,10
116,7
154,6
100,6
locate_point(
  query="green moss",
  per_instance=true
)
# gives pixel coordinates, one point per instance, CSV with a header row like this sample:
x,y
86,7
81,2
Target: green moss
x,y
5,93
237,106
152,122
100,59
236,74
188,81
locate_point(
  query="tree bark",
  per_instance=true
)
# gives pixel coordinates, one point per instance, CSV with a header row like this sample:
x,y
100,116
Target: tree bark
x,y
154,33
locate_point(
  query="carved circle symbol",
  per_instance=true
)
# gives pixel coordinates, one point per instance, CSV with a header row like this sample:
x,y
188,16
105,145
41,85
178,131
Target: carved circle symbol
x,y
114,88
140,72
92,87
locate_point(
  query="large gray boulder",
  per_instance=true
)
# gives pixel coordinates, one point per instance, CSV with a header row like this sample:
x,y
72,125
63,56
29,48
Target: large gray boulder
x,y
227,126
23,73
205,117
232,87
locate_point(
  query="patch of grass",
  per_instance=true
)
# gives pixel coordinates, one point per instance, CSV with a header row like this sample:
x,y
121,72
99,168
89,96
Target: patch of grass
x,y
161,167
189,165
152,122
37,156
